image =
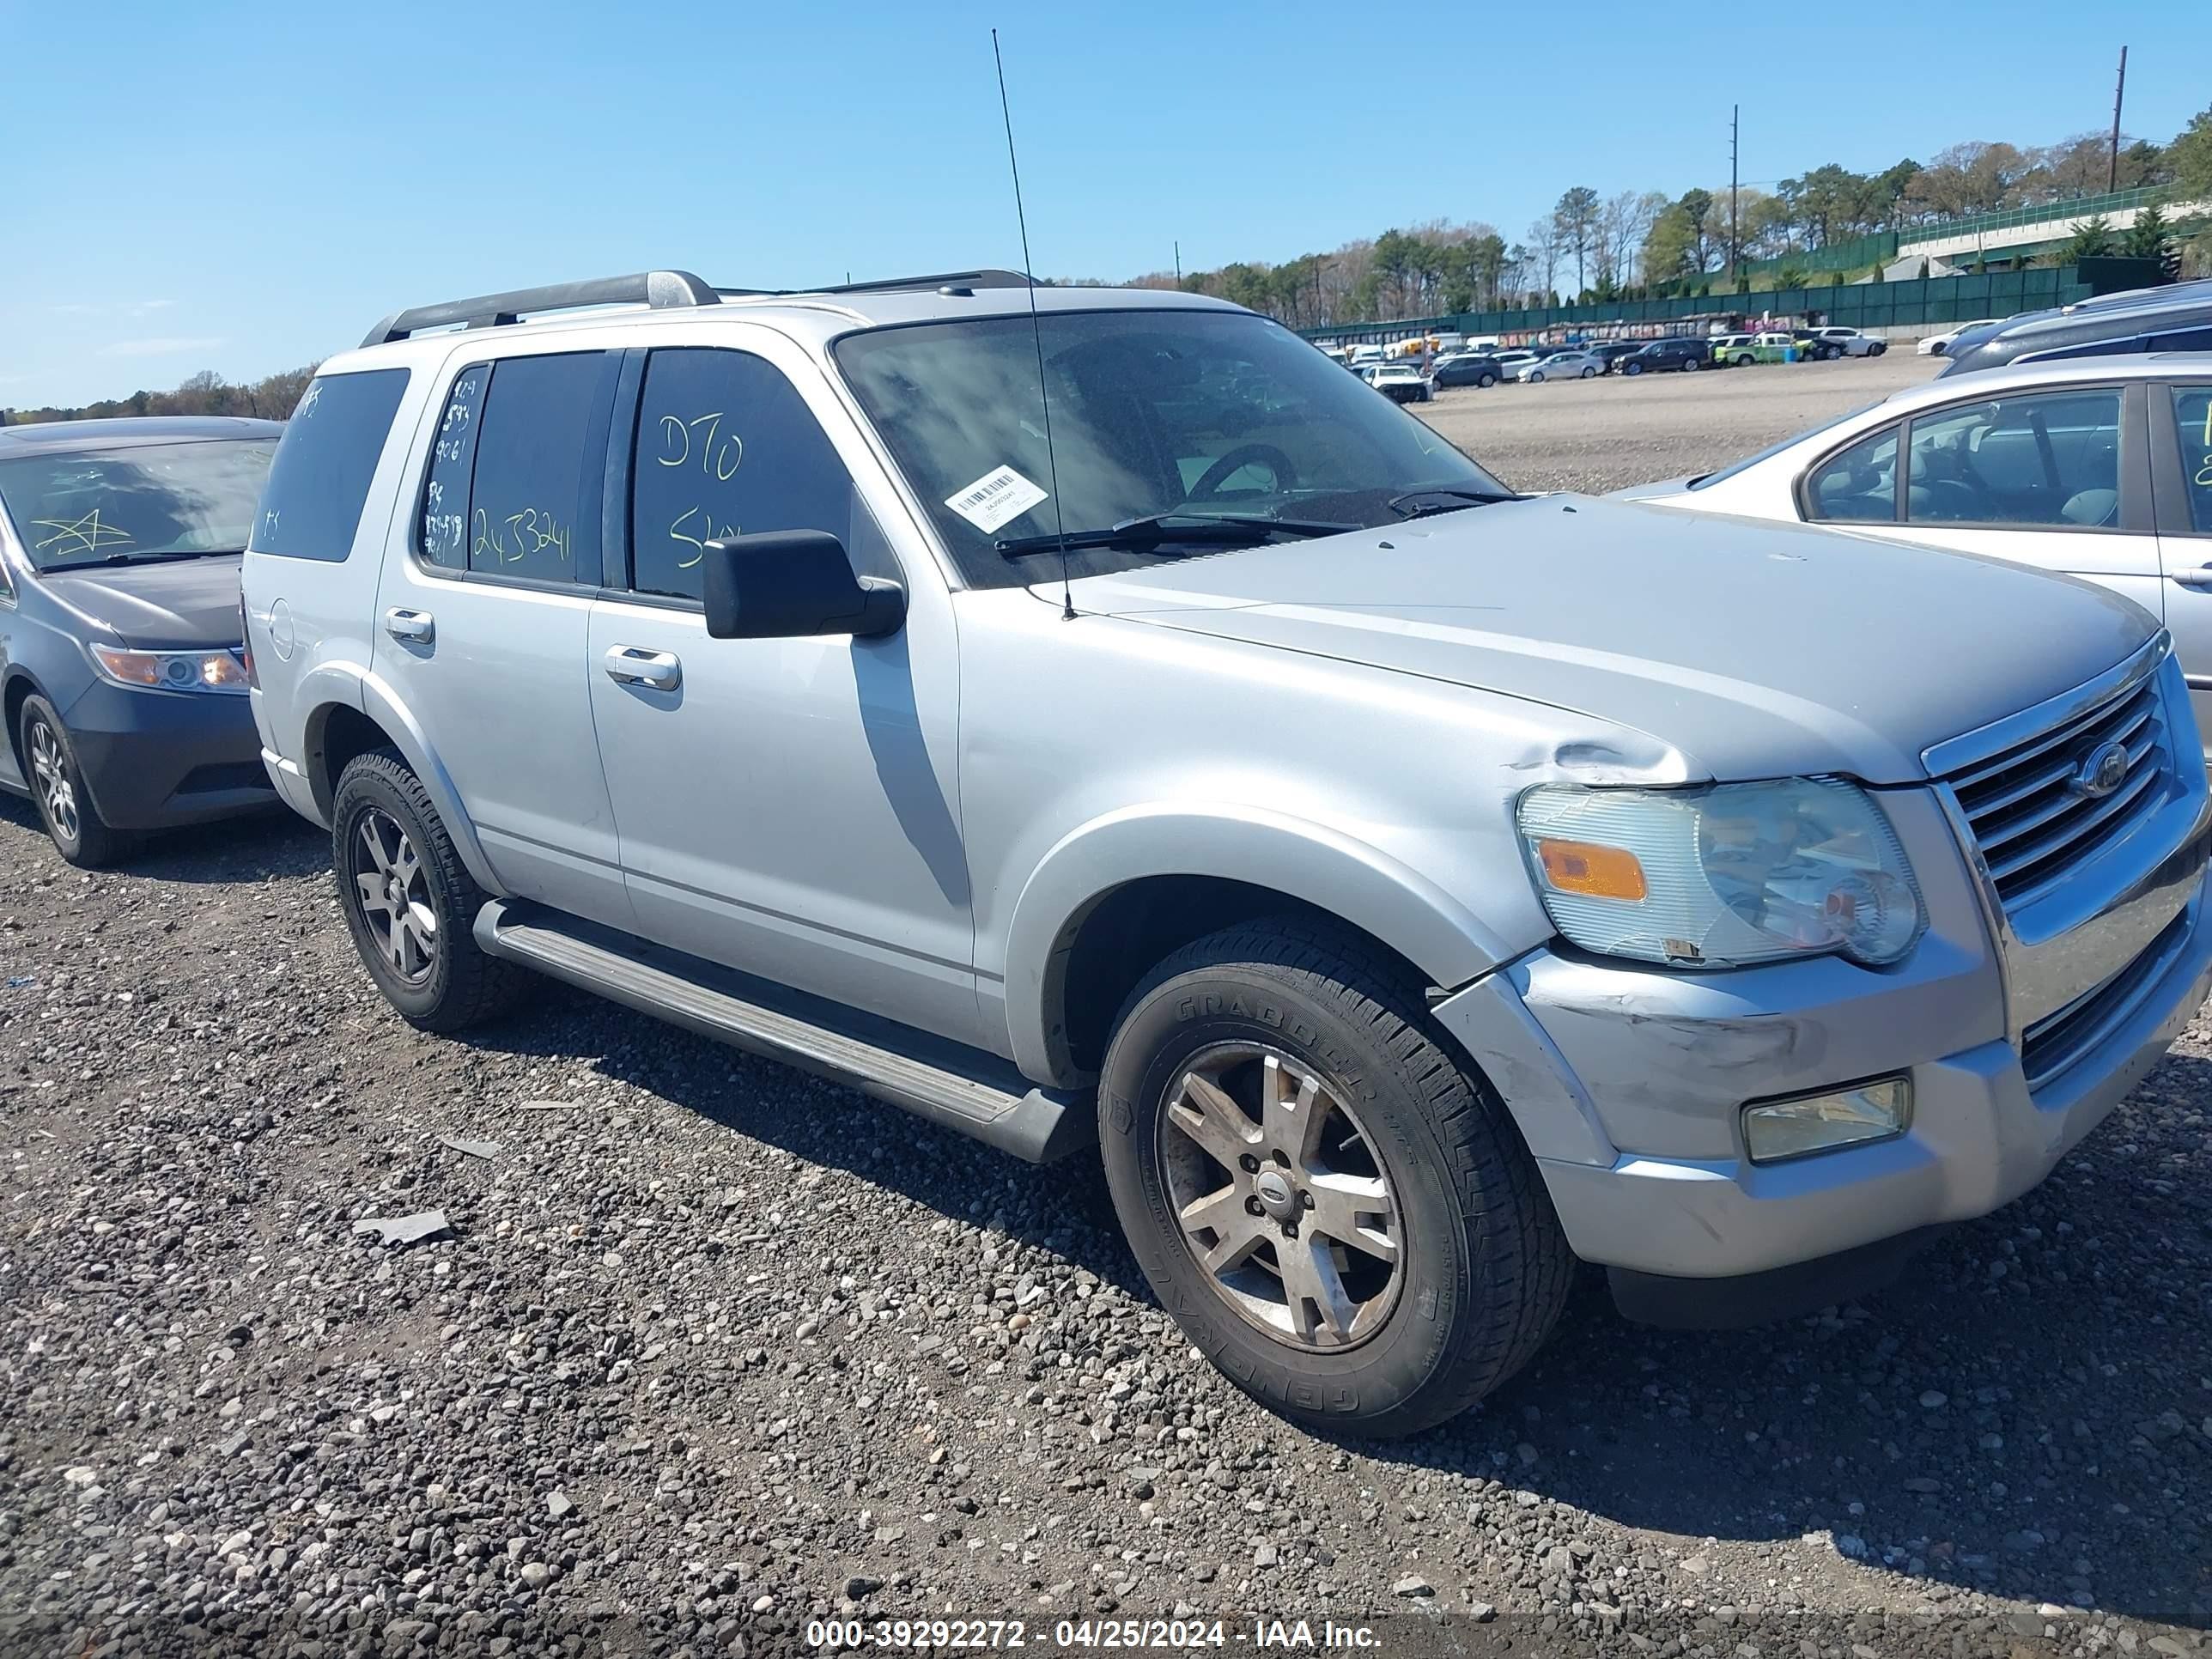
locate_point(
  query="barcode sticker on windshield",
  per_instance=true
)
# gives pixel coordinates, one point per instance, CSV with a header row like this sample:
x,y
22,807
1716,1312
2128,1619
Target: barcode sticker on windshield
x,y
995,498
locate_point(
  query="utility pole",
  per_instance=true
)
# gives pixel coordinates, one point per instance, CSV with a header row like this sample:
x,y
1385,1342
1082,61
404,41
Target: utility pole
x,y
1178,249
1735,111
2112,171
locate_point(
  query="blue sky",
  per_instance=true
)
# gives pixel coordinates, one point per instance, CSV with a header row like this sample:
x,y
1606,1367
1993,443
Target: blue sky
x,y
248,187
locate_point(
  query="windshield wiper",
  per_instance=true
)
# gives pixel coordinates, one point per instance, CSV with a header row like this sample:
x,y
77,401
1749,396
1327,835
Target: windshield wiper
x,y
1408,505
144,558
1142,535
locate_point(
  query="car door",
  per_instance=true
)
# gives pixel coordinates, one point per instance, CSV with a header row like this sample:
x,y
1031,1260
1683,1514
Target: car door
x,y
2054,476
484,607
788,807
2180,425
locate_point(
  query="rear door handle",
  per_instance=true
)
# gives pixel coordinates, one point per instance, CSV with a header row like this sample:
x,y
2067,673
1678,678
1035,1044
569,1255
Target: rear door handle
x,y
628,665
418,626
2196,575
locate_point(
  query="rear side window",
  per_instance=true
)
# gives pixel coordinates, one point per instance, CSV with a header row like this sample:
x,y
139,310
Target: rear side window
x,y
311,508
534,485
726,446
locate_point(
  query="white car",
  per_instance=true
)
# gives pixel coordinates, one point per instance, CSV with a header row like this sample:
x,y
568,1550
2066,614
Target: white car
x,y
1936,344
1560,366
1855,345
1400,382
2100,468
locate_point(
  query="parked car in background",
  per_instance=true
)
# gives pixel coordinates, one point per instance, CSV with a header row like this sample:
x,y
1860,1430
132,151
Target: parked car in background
x,y
1511,363
1733,350
1357,888
1610,352
1570,365
1935,345
2100,469
120,639
1467,368
1400,382
1813,347
2177,319
1687,352
1853,342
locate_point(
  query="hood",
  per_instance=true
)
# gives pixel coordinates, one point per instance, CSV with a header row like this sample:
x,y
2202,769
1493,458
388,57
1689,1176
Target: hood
x,y
178,605
1753,649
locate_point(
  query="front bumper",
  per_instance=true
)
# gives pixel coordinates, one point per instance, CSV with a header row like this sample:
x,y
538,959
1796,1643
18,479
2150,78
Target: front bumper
x,y
1629,1083
154,760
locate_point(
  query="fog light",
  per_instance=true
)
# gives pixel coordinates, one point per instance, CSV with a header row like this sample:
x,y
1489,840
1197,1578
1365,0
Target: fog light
x,y
1775,1130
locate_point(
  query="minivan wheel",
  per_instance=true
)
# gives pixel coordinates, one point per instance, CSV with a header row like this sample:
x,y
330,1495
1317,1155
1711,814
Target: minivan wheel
x,y
65,806
409,902
1329,1203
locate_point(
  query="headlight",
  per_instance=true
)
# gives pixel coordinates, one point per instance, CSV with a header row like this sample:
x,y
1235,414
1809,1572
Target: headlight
x,y
170,670
1716,878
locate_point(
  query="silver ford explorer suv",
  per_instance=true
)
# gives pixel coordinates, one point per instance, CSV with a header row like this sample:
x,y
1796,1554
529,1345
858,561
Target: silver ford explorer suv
x,y
1114,718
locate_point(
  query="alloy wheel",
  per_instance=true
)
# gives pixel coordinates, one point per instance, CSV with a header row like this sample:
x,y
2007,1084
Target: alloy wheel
x,y
1282,1200
394,894
50,768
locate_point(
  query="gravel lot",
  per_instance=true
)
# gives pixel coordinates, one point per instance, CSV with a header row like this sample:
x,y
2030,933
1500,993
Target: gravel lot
x,y
710,1348
1601,434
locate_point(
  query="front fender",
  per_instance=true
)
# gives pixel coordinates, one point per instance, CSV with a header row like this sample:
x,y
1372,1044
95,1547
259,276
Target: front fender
x,y
1292,856
332,684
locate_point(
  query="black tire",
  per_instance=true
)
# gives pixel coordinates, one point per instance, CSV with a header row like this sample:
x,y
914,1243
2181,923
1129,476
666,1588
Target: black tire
x,y
1631,367
458,986
73,822
1534,380
1877,348
1485,1269
1588,371
1690,365
1485,381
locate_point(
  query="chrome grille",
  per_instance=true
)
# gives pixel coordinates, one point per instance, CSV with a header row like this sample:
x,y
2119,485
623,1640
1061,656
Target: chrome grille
x,y
2057,1041
2029,822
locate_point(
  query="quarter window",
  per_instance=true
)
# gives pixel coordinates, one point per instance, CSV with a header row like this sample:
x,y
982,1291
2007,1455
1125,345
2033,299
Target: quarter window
x,y
2048,458
311,506
1858,485
726,446
515,468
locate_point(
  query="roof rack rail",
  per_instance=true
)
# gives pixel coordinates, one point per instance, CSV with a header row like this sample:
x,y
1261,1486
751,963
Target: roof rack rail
x,y
662,290
986,278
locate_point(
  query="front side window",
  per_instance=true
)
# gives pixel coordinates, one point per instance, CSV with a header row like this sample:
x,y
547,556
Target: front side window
x,y
726,446
1859,485
1153,412
515,466
2192,414
135,503
2050,459
319,483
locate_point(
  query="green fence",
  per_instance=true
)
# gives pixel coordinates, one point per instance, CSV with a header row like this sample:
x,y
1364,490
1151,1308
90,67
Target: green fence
x,y
1924,301
1855,253
2047,212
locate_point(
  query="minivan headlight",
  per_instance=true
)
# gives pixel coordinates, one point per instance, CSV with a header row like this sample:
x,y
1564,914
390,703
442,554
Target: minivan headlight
x,y
170,670
1722,876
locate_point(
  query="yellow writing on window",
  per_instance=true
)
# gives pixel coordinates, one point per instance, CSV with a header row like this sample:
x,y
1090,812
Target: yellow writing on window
x,y
516,537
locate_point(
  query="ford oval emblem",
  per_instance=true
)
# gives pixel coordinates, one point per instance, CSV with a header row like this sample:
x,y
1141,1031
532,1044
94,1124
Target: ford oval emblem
x,y
2102,770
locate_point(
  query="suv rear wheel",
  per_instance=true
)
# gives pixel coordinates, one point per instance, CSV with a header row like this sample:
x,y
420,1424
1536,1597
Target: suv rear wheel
x,y
1329,1204
409,901
65,806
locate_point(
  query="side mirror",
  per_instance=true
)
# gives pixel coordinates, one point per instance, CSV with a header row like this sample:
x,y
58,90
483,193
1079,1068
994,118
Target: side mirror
x,y
794,584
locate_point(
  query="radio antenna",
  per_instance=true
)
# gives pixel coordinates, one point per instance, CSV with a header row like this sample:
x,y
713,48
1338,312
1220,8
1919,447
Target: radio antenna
x,y
1036,335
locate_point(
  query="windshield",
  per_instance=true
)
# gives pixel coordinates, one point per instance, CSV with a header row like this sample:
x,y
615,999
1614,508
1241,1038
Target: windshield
x,y
140,502
1183,412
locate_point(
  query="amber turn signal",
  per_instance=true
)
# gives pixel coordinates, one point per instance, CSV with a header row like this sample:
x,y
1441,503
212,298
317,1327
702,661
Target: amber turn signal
x,y
1581,866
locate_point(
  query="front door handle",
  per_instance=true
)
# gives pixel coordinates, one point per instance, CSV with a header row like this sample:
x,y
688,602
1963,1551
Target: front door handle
x,y
416,627
2196,575
627,665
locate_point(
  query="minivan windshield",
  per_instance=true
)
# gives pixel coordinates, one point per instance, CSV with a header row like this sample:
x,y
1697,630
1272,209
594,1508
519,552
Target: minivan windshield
x,y
136,503
1180,414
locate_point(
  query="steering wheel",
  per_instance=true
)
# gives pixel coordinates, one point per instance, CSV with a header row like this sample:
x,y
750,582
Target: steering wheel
x,y
1227,467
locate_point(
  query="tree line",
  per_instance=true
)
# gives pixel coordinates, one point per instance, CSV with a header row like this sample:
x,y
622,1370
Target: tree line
x,y
273,397
1640,244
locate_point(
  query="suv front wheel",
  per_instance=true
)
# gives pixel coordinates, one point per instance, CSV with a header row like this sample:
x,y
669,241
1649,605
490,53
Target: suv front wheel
x,y
1329,1204
409,902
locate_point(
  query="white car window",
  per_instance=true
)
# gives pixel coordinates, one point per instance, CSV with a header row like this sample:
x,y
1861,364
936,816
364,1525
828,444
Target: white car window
x,y
1857,486
2049,457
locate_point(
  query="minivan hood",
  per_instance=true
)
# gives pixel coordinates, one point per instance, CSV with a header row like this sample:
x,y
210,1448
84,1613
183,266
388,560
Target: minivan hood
x,y
1753,649
182,604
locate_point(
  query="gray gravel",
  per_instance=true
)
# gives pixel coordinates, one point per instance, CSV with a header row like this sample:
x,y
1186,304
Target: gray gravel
x,y
708,1347
1601,434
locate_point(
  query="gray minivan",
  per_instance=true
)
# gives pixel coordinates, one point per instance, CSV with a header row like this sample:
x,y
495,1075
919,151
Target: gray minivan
x,y
122,656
